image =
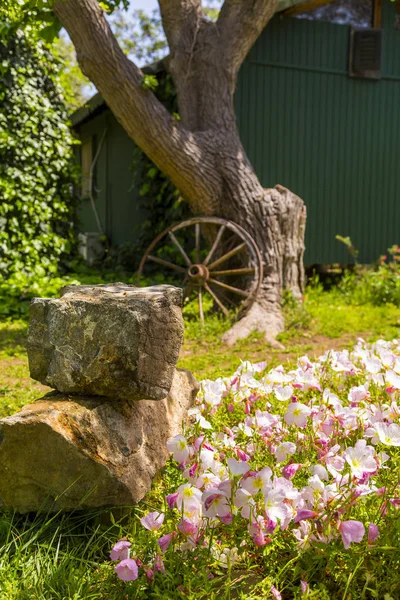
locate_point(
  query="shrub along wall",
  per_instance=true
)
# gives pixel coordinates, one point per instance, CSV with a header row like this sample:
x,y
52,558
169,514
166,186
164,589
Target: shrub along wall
x,y
37,171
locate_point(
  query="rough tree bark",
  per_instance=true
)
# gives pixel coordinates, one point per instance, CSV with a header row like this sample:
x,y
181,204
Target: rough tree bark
x,y
202,153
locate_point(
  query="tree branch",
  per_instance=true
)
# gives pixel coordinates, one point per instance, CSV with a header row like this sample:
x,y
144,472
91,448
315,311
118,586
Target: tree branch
x,y
240,22
176,151
181,20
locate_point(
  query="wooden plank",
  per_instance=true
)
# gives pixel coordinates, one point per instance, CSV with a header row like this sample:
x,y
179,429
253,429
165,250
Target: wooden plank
x,y
377,14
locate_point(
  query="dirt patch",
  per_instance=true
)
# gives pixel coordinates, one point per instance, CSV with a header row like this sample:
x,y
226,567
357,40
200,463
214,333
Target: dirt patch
x,y
319,345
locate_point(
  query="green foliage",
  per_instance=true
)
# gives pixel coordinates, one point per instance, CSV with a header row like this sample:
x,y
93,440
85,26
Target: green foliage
x,y
36,162
140,34
150,82
76,87
349,245
378,285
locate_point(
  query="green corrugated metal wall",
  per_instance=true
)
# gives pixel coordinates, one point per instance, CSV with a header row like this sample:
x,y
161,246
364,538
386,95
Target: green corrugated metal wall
x,y
332,139
117,195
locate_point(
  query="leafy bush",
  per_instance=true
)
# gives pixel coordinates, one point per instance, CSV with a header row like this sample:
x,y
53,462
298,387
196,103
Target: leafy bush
x,y
379,285
36,161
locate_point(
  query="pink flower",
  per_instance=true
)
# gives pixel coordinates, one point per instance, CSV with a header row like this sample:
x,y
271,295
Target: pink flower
x,y
153,520
165,540
373,532
305,588
290,470
242,455
258,534
159,565
120,550
304,514
127,570
275,593
193,469
352,531
171,499
198,442
187,527
227,519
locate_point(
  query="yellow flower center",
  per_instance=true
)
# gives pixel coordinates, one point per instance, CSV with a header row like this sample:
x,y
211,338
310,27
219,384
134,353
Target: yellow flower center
x,y
258,483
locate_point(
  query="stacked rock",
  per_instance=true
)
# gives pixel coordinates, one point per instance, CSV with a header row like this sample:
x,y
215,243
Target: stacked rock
x,y
110,352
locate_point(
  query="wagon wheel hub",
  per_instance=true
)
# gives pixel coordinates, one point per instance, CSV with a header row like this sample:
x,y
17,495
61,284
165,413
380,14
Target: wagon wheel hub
x,y
198,274
227,267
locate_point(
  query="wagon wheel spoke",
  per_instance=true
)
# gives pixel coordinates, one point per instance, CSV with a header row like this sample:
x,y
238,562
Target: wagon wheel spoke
x,y
181,250
227,255
197,226
216,299
166,263
244,271
213,274
201,306
215,244
230,288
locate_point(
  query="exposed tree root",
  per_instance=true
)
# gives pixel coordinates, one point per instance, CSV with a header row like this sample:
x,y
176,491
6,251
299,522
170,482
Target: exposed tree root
x,y
259,319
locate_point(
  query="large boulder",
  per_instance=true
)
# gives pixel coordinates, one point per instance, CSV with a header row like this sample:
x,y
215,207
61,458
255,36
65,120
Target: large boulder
x,y
110,340
78,452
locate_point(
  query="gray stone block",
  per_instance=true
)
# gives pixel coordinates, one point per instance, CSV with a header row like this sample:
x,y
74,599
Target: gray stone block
x,y
108,340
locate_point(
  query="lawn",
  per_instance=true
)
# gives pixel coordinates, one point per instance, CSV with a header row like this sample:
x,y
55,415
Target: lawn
x,y
322,322
67,556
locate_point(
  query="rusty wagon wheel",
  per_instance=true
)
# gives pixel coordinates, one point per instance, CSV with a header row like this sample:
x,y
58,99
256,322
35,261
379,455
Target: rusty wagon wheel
x,y
210,256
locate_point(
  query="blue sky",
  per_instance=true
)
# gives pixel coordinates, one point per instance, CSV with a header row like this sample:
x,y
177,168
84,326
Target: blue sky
x,y
143,4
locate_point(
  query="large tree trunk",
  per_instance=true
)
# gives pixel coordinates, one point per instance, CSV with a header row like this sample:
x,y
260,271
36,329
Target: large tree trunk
x,y
275,218
202,153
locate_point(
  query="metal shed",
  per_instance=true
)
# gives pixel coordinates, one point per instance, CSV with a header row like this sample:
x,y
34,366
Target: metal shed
x,y
311,118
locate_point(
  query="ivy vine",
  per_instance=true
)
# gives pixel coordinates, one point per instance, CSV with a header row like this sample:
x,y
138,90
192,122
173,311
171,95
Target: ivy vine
x,y
37,169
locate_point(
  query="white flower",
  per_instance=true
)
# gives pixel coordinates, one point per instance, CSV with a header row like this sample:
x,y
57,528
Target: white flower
x,y
393,380
226,557
238,467
361,459
179,448
373,365
244,501
213,391
297,414
275,506
189,500
203,423
283,393
259,481
215,503
320,471
264,420
388,434
356,394
284,450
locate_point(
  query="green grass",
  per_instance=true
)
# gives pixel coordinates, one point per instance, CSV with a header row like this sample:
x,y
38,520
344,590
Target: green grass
x,y
65,557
